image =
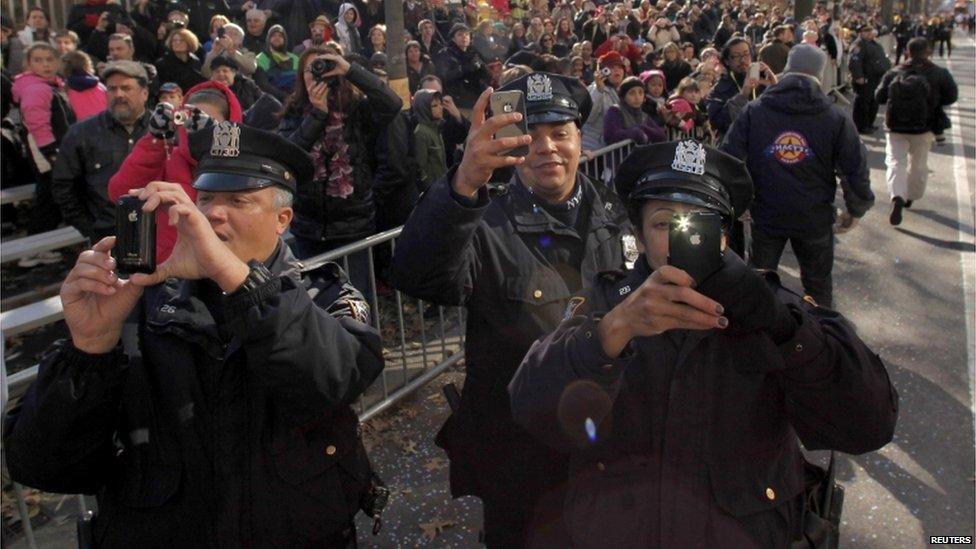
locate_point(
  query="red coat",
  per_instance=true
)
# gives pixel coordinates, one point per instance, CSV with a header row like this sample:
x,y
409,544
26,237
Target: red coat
x,y
152,159
632,53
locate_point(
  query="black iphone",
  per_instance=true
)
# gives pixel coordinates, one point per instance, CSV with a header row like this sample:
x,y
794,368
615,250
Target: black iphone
x,y
504,102
695,244
135,237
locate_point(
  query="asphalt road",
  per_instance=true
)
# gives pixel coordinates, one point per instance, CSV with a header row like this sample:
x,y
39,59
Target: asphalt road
x,y
910,292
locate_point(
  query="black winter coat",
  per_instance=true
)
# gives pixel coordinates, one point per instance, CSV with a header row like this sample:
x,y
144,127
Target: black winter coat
x,y
942,89
186,74
689,438
330,218
464,74
868,60
91,152
233,430
499,259
795,142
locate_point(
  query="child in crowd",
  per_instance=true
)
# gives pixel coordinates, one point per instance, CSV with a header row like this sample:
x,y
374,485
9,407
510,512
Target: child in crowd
x,y
686,104
628,119
170,93
86,94
428,144
46,114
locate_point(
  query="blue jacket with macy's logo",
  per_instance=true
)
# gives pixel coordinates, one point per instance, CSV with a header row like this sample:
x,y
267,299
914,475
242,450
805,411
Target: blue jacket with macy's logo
x,y
795,142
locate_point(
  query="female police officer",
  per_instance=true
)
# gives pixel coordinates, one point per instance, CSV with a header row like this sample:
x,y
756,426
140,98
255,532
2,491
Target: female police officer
x,y
682,403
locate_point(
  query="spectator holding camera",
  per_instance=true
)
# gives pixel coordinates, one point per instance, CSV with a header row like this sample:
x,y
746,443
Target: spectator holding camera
x,y
681,399
609,75
229,46
335,113
736,87
219,412
163,154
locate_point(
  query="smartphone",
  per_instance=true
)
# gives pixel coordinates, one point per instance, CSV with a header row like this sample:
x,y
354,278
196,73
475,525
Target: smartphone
x,y
755,70
695,244
221,32
135,237
504,102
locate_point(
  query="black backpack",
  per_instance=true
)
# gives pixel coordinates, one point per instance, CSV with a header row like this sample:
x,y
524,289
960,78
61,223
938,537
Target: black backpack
x,y
909,103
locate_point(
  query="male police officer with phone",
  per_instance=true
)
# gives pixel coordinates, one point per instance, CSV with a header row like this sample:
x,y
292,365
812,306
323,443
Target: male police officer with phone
x,y
512,258
682,400
224,417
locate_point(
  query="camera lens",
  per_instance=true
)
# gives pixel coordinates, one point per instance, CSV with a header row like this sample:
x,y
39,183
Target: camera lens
x,y
320,67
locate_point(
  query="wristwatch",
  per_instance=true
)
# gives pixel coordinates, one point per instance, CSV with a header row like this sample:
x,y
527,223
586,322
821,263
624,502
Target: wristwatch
x,y
258,276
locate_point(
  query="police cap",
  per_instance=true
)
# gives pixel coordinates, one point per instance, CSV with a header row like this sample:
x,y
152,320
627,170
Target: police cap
x,y
686,172
233,157
552,98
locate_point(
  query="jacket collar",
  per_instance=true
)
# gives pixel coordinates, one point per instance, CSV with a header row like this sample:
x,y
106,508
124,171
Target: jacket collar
x,y
529,217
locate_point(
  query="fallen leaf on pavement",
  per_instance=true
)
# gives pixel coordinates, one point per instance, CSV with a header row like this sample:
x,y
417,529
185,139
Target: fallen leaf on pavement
x,y
434,527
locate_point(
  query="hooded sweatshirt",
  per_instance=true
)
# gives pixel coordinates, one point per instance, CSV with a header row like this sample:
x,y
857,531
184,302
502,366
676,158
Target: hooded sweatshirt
x,y
428,144
154,159
794,140
348,37
86,94
281,67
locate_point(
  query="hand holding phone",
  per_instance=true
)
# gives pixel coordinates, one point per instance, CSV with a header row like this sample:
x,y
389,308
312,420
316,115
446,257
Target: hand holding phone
x,y
135,231
507,102
695,244
755,70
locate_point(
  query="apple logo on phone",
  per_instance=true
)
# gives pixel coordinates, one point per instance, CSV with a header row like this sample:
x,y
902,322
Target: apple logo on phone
x,y
133,216
696,239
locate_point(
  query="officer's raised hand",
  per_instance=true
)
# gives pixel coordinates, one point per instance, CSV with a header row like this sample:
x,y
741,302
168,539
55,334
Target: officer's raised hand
x,y
95,301
199,252
483,154
665,301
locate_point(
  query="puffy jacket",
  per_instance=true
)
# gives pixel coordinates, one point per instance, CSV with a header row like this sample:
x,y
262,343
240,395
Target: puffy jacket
x,y
153,159
593,126
795,141
44,107
321,217
942,89
726,101
234,429
91,153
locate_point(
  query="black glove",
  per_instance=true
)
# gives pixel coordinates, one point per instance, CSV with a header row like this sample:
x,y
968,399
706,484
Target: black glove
x,y
197,120
750,304
161,122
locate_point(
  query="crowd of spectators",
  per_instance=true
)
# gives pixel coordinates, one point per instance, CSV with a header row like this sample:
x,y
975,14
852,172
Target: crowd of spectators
x,y
655,71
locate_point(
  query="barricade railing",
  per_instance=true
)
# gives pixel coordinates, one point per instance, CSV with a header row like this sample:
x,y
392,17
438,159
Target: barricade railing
x,y
420,339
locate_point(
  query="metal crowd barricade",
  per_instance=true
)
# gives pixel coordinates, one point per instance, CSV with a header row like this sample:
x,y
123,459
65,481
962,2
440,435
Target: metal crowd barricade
x,y
420,340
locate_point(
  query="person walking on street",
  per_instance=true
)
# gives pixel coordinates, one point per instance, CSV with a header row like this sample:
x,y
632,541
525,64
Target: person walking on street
x,y
795,141
512,257
915,92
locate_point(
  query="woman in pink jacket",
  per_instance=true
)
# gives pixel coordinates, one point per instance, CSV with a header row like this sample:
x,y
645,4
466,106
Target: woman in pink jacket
x,y
163,153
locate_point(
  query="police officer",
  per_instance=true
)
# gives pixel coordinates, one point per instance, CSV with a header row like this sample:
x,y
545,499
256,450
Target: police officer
x,y
224,417
868,64
512,258
682,400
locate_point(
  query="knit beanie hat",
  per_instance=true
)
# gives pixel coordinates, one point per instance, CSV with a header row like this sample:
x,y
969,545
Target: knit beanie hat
x,y
806,59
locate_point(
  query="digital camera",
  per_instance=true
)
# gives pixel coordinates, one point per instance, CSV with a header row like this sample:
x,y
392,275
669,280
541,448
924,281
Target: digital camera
x,y
320,67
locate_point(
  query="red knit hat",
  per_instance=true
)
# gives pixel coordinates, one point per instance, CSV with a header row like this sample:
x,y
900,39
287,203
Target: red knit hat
x,y
610,59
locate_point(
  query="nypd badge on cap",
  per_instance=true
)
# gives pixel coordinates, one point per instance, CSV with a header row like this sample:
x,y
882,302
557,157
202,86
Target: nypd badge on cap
x,y
689,157
233,158
538,87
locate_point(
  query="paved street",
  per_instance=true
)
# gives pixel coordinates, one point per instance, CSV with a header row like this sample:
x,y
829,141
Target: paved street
x,y
910,292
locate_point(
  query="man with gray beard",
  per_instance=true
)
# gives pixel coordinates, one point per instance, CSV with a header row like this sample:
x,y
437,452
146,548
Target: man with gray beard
x,y
93,150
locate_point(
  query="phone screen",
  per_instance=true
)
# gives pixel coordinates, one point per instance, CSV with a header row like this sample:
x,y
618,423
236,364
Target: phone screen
x,y
695,244
504,102
754,70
